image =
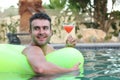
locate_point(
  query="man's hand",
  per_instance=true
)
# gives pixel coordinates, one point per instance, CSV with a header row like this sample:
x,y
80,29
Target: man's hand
x,y
70,42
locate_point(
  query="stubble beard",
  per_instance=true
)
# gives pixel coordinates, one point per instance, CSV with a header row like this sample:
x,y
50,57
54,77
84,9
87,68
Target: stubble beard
x,y
40,43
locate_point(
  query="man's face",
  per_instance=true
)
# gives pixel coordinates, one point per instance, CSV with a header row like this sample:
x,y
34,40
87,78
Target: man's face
x,y
40,31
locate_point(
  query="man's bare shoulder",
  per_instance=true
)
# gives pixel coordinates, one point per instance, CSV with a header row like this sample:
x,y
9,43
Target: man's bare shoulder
x,y
31,49
50,48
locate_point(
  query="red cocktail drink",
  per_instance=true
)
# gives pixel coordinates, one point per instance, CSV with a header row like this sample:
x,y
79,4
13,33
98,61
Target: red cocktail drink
x,y
68,28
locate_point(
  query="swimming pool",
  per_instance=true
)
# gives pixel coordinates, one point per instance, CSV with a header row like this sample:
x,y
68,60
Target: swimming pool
x,y
101,63
102,60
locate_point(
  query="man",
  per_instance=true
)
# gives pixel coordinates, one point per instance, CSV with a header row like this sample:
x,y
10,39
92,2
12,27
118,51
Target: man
x,y
40,30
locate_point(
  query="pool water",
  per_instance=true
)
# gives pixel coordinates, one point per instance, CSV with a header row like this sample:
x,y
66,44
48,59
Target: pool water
x,y
100,64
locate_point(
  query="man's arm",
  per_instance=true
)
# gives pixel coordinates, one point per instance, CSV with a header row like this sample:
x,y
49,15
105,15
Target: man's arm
x,y
39,64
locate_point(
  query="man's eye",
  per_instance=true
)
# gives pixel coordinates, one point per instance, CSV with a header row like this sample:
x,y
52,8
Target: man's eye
x,y
36,28
45,27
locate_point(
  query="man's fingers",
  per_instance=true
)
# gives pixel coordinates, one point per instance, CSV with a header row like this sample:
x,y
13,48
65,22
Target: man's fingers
x,y
78,63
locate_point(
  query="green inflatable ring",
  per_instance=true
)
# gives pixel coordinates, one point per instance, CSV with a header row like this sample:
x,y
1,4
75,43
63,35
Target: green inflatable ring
x,y
12,61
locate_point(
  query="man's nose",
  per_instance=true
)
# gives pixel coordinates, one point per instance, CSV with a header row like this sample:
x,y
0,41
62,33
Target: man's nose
x,y
41,30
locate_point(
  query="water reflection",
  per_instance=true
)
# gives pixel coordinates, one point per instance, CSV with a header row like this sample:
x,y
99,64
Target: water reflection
x,y
66,76
102,63
16,76
42,78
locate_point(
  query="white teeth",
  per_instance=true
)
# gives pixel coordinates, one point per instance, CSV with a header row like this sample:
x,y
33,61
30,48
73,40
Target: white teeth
x,y
41,36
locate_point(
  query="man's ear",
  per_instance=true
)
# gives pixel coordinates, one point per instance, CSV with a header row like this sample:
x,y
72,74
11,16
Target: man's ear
x,y
30,31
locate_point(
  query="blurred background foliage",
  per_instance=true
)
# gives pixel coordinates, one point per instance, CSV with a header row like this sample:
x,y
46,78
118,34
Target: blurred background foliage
x,y
9,12
95,10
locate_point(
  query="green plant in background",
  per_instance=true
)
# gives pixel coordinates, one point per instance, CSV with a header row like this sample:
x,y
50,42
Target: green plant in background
x,y
8,27
2,33
57,4
79,36
108,37
92,38
12,26
83,9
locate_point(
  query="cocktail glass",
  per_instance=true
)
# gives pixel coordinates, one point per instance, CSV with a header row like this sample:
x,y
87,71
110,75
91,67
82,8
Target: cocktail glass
x,y
68,27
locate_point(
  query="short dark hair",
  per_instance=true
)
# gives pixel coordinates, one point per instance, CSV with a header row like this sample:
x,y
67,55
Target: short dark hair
x,y
40,15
